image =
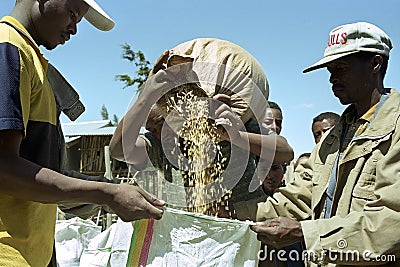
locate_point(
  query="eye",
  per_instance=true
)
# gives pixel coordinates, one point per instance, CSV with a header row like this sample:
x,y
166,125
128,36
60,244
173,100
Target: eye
x,y
268,121
72,15
317,134
276,167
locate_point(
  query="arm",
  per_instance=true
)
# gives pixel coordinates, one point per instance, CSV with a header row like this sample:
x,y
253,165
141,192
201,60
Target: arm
x,y
123,147
23,179
267,146
374,210
126,144
264,145
360,236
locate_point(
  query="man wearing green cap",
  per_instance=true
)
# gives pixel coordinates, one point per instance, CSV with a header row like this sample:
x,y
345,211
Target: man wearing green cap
x,y
344,202
30,143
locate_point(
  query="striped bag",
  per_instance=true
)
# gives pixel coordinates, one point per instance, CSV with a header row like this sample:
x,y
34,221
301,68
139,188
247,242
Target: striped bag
x,y
186,239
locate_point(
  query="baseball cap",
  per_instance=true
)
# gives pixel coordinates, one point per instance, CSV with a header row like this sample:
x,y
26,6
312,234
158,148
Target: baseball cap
x,y
98,17
352,38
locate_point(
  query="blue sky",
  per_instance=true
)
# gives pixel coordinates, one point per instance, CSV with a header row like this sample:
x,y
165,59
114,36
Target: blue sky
x,y
284,36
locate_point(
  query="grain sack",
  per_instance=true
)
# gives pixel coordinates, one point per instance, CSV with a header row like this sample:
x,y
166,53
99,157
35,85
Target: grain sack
x,y
192,240
220,67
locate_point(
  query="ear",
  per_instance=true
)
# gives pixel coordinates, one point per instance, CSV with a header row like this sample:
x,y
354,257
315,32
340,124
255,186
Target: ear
x,y
376,63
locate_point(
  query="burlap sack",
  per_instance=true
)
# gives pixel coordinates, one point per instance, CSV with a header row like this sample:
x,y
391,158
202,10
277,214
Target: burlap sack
x,y
222,67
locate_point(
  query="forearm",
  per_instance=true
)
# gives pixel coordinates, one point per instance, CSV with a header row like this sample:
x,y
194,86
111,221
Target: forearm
x,y
25,180
123,144
283,151
358,238
265,146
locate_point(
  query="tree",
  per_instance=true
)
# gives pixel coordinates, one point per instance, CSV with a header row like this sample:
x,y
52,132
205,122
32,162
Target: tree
x,y
104,112
142,67
105,116
115,120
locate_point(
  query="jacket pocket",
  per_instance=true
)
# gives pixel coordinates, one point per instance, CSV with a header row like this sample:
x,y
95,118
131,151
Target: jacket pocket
x,y
318,189
365,187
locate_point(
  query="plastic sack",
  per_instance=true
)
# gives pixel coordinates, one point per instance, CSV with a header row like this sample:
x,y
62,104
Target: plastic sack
x,y
186,239
110,248
71,238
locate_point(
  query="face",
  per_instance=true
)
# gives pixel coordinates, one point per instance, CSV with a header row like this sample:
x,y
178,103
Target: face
x,y
160,130
319,128
349,79
56,21
300,160
273,120
274,176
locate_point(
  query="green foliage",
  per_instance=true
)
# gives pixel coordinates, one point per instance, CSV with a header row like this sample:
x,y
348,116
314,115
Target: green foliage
x,y
104,112
142,67
105,116
115,120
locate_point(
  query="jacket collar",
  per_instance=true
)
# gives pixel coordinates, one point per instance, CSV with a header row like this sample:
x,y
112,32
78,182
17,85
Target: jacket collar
x,y
384,122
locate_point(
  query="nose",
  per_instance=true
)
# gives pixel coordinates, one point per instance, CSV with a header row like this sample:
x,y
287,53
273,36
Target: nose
x,y
332,78
276,127
72,28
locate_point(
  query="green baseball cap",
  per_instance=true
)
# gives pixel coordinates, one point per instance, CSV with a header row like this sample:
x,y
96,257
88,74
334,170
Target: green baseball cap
x,y
352,38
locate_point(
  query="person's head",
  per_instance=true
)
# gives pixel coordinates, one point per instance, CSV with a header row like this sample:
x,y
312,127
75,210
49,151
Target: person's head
x,y
52,22
322,123
273,179
273,118
302,158
357,57
160,130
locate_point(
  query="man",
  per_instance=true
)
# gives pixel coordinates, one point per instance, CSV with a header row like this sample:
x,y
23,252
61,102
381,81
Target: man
x,y
272,122
322,123
163,152
30,186
344,201
273,117
302,159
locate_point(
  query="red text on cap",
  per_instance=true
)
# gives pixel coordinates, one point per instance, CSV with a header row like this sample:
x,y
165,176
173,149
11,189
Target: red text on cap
x,y
338,38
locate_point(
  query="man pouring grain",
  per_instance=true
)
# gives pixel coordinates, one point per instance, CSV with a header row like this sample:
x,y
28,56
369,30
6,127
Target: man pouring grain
x,y
214,67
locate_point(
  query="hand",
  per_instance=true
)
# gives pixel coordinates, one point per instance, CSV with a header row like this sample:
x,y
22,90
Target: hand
x,y
132,203
165,77
279,232
161,62
225,117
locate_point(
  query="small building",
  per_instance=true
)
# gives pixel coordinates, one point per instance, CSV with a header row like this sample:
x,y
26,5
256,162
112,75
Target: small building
x,y
86,145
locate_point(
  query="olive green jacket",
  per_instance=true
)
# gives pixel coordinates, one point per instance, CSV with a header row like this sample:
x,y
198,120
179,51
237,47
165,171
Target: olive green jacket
x,y
364,228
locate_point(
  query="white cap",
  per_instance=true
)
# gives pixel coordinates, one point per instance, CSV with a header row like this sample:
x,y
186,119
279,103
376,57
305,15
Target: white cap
x,y
98,17
351,38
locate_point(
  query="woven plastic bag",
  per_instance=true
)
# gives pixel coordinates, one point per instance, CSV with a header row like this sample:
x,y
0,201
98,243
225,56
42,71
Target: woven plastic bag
x,y
186,239
72,238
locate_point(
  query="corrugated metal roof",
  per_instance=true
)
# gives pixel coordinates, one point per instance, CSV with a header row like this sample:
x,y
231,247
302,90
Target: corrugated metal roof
x,y
103,127
74,130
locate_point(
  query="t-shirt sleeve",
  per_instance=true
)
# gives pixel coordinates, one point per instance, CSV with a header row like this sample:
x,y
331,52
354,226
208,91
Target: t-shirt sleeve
x,y
11,117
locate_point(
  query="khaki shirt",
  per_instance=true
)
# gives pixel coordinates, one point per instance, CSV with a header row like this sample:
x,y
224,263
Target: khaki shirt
x,y
364,224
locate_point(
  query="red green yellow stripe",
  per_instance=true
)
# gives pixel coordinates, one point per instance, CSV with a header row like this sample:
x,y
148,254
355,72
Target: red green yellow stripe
x,y
140,242
146,243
